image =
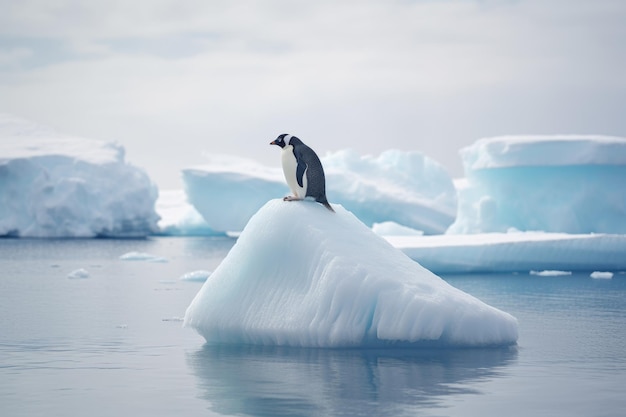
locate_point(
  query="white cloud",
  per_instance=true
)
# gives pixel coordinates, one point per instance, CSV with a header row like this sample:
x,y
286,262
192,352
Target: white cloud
x,y
198,75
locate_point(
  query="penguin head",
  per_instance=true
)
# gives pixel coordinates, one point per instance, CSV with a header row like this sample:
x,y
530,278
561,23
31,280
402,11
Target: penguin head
x,y
282,140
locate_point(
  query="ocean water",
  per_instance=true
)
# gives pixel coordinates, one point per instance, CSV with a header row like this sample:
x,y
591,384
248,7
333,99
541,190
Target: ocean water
x,y
112,344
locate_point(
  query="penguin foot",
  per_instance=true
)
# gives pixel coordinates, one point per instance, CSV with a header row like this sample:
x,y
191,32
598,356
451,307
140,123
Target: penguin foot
x,y
291,198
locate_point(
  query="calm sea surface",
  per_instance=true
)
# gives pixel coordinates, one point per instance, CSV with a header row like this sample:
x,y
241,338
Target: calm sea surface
x,y
112,344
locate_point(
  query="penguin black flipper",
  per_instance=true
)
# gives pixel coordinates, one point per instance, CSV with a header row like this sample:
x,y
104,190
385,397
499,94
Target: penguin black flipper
x,y
300,169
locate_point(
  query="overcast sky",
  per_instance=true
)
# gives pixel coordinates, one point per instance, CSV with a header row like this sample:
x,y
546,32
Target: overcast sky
x,y
172,79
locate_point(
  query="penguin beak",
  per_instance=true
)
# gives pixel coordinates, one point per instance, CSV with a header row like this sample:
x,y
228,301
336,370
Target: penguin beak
x,y
273,142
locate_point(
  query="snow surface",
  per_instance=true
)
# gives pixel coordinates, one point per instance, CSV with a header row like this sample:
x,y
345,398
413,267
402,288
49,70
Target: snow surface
x,y
572,184
544,150
506,252
52,185
407,188
332,282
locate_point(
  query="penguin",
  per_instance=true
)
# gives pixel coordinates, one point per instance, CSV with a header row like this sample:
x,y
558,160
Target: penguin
x,y
303,170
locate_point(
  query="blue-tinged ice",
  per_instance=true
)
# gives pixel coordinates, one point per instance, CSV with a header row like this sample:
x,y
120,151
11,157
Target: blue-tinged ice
x,y
52,185
80,273
142,256
300,275
228,190
179,218
506,252
407,188
571,184
200,275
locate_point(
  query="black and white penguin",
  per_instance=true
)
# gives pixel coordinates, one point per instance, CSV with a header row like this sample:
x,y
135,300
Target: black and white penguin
x,y
303,170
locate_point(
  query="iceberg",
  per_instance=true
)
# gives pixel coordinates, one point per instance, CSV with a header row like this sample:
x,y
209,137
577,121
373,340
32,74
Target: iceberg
x,y
228,190
52,185
568,183
407,188
515,252
300,275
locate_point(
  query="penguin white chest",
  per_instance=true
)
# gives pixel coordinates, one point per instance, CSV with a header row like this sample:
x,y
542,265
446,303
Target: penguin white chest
x,y
290,165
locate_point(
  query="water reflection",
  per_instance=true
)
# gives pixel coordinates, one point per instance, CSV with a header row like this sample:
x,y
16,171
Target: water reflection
x,y
303,382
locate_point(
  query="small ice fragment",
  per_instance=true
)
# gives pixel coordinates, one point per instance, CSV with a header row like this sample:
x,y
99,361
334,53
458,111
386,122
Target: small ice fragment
x,y
173,319
141,256
550,273
196,276
78,274
601,275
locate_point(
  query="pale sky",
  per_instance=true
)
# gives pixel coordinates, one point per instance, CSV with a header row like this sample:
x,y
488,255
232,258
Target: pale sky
x,y
171,80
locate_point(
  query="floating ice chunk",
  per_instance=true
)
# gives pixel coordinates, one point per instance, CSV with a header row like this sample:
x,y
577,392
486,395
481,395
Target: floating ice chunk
x,y
550,273
300,275
174,319
394,229
141,256
197,276
507,252
601,275
78,274
52,185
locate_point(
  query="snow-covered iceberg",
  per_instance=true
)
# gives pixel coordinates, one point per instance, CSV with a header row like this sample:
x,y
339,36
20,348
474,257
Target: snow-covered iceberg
x,y
407,188
300,275
571,184
52,185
